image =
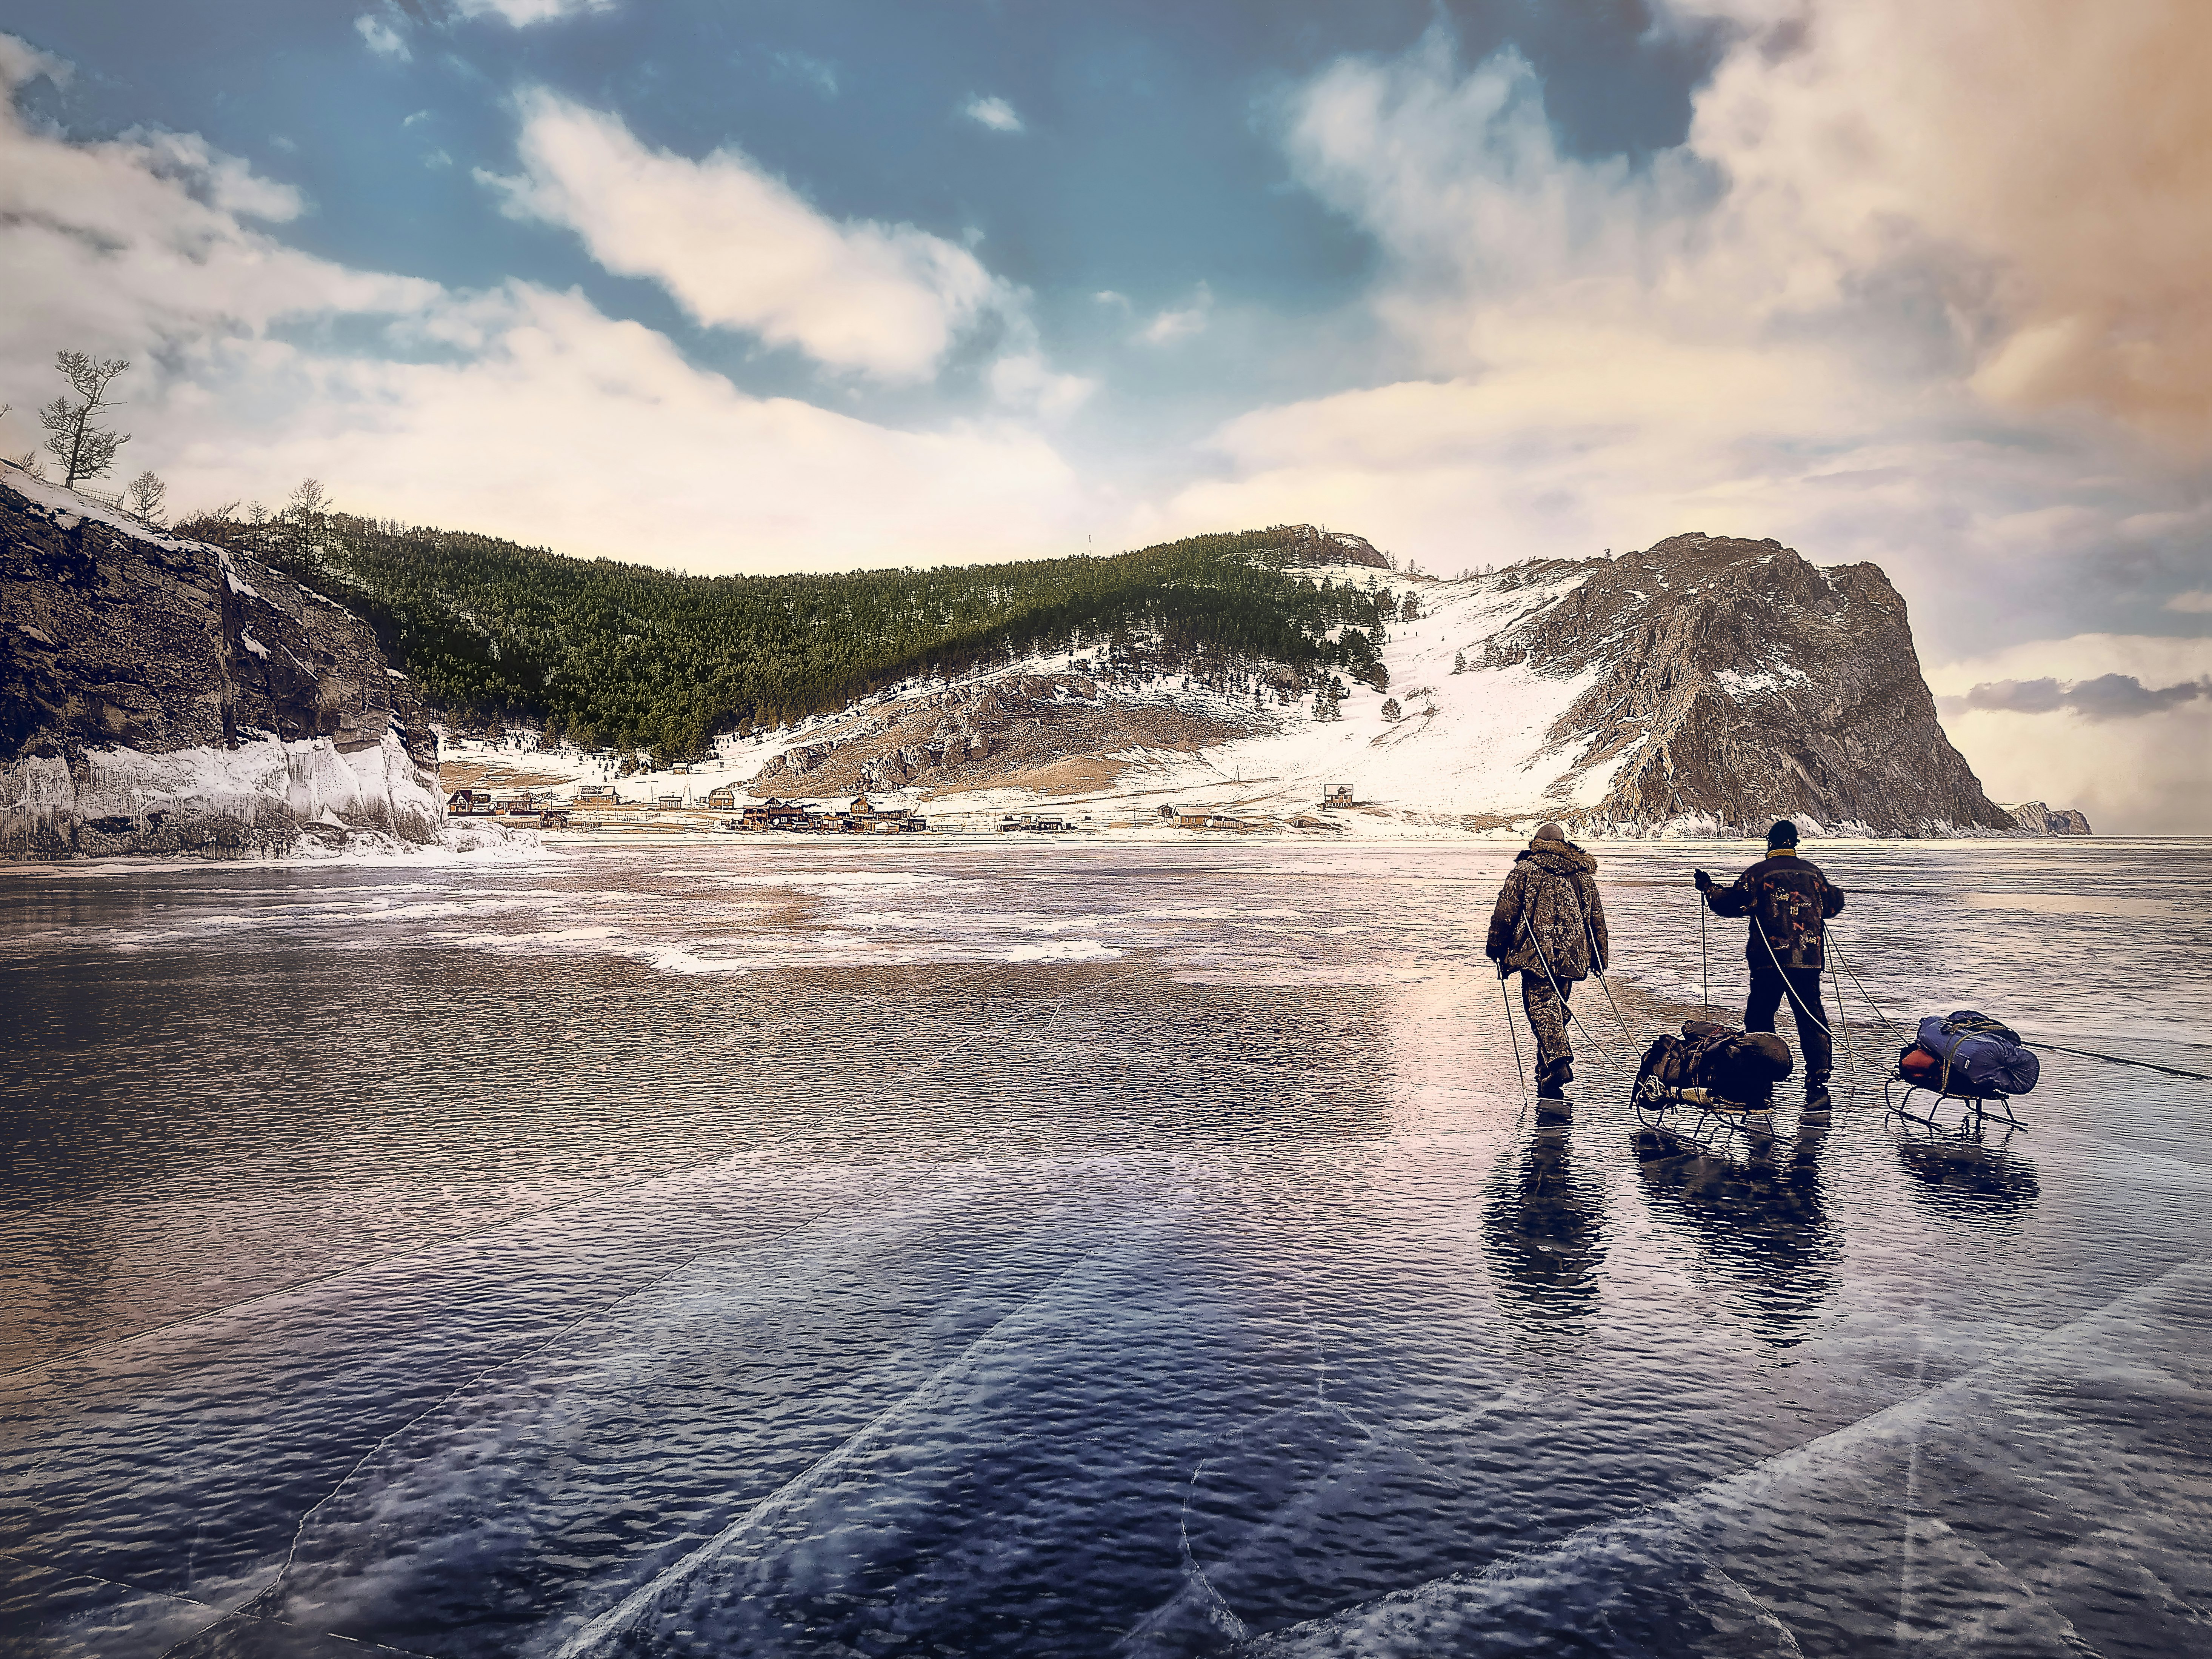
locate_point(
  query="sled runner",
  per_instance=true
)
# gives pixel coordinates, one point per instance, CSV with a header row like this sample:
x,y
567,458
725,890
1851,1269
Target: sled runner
x,y
1678,1121
1902,1095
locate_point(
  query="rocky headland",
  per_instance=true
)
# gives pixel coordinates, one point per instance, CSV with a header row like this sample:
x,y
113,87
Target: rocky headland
x,y
2036,819
1734,680
160,695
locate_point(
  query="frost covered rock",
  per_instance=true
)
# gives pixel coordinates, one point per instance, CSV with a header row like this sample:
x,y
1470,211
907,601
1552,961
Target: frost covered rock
x,y
2036,819
1732,680
1302,546
159,696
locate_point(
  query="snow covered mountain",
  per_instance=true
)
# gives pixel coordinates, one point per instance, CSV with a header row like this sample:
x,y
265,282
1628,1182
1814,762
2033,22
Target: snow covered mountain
x,y
1703,685
160,695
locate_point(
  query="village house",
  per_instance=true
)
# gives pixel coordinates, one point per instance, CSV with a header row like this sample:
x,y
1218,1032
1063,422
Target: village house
x,y
724,799
774,814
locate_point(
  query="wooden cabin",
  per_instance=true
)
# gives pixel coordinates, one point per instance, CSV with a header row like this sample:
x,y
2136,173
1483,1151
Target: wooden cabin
x,y
724,799
774,814
1339,794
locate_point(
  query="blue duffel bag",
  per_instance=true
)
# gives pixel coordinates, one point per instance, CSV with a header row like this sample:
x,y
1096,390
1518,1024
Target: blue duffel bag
x,y
1978,1055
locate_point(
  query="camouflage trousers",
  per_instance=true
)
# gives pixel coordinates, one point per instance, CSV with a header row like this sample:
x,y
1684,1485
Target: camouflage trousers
x,y
1547,1017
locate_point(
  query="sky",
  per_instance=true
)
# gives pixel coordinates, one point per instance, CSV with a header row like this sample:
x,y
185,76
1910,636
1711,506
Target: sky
x,y
770,287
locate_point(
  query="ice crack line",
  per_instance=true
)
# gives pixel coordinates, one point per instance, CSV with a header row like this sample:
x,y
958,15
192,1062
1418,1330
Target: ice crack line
x,y
466,1384
1746,1484
220,1613
428,1247
638,1602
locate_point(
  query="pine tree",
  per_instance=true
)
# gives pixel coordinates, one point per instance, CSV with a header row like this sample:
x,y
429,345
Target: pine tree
x,y
1459,662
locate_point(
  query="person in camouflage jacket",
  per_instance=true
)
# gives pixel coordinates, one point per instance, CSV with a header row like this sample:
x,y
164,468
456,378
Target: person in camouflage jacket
x,y
1788,900
1549,928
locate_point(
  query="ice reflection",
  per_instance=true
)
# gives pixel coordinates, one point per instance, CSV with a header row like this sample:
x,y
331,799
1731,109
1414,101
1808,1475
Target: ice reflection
x,y
1760,1223
1544,1232
1959,1174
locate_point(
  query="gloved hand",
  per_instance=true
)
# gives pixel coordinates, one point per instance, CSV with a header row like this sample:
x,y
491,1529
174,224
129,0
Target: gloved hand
x,y
1705,882
1504,972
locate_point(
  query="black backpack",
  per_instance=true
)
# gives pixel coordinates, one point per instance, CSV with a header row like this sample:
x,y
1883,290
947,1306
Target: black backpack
x,y
1741,1066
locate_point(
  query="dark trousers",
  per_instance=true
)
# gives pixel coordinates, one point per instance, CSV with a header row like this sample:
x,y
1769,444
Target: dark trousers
x,y
1547,1017
1803,985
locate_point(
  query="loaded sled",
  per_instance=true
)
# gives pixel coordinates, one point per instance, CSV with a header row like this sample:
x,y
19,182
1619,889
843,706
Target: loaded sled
x,y
1965,1059
1708,1089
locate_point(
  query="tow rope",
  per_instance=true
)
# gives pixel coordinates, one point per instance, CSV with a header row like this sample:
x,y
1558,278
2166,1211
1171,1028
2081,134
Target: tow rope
x,y
2047,1047
2118,1060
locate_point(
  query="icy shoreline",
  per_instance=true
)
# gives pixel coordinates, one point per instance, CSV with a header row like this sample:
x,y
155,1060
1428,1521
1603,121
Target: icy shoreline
x,y
309,798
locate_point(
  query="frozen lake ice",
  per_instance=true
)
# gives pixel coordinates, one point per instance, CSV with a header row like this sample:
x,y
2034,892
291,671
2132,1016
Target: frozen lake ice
x,y
795,1248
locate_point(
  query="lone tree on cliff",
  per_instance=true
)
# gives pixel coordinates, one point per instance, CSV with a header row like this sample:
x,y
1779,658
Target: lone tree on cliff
x,y
84,448
147,495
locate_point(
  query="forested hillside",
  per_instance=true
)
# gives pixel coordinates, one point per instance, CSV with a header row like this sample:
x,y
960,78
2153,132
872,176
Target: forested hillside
x,y
629,656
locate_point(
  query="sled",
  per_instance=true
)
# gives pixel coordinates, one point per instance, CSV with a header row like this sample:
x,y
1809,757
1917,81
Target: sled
x,y
1974,1110
1700,1121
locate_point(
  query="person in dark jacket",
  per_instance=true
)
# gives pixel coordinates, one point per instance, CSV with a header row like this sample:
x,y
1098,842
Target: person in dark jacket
x,y
1549,928
1788,902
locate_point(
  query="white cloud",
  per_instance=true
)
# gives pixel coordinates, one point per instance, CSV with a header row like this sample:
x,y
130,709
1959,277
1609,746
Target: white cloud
x,y
519,411
22,62
383,40
142,243
1763,330
995,113
523,12
594,436
1025,381
740,248
1168,327
2197,602
2042,163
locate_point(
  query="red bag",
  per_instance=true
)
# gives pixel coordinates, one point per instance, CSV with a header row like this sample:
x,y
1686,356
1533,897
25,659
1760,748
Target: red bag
x,y
1916,1065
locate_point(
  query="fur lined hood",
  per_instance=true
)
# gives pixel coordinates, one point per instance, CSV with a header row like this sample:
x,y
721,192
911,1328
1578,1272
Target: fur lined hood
x,y
1560,857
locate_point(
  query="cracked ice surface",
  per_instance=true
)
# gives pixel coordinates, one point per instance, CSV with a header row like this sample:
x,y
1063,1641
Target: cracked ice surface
x,y
757,1251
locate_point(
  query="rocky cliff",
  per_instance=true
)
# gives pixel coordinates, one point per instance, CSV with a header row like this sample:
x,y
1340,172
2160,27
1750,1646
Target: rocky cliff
x,y
1301,546
1732,680
2037,819
160,695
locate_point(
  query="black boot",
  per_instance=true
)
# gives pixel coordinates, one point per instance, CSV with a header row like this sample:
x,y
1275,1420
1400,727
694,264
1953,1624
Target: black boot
x,y
1817,1103
1552,1080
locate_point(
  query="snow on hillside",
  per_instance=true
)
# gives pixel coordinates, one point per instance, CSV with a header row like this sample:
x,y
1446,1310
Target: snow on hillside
x,y
1469,746
1689,690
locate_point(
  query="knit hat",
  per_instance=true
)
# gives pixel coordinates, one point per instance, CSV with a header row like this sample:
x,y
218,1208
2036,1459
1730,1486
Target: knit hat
x,y
1547,832
1783,834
